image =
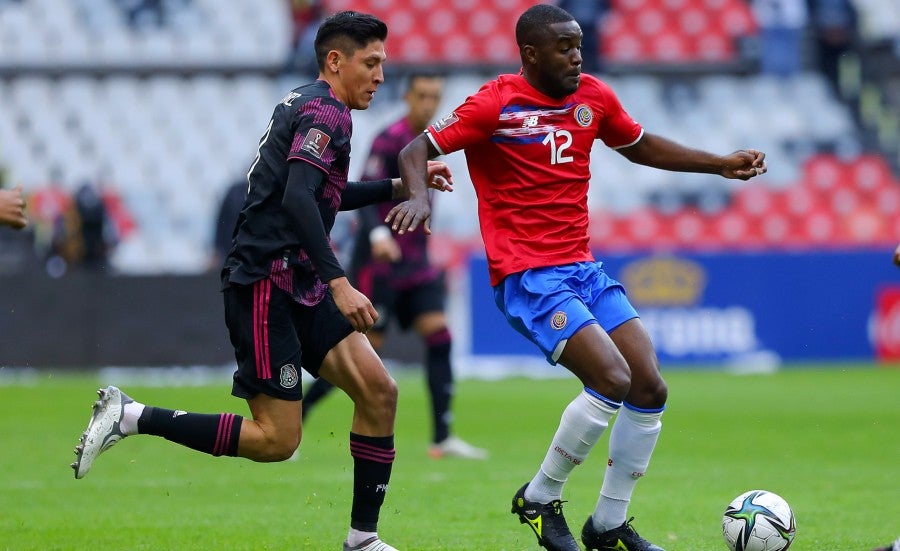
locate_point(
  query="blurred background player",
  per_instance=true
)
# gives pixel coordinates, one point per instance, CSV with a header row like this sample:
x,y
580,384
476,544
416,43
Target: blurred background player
x,y
528,139
12,208
394,271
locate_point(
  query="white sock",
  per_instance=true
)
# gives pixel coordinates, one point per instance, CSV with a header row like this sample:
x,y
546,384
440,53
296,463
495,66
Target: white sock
x,y
581,425
131,412
356,537
631,443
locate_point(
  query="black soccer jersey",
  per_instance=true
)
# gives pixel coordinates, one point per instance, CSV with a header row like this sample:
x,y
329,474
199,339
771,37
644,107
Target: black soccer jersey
x,y
309,125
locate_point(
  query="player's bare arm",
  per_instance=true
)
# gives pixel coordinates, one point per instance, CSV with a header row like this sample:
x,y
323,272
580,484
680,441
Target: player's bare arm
x,y
659,152
416,210
12,208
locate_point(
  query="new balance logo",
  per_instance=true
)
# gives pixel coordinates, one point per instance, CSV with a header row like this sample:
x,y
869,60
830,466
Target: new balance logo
x,y
178,413
381,488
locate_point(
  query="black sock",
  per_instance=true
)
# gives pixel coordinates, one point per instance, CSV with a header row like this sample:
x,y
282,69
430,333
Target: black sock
x,y
373,457
440,382
215,434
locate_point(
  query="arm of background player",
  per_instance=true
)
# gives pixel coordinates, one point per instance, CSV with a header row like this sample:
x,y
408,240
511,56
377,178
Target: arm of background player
x,y
658,152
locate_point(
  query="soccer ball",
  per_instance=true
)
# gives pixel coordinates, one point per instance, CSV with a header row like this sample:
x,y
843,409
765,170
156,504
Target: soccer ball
x,y
758,521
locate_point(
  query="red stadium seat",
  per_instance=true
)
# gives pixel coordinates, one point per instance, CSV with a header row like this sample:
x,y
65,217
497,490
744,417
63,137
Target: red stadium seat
x,y
819,227
823,172
754,200
713,45
670,46
734,228
887,200
693,20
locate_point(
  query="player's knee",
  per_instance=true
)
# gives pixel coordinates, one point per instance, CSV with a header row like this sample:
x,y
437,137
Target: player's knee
x,y
384,395
285,450
649,394
280,447
618,381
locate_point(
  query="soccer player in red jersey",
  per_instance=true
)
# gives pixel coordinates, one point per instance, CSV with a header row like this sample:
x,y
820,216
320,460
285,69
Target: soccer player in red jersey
x,y
527,139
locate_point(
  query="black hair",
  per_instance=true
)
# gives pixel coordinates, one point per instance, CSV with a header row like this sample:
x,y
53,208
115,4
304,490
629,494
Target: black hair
x,y
426,74
347,31
533,23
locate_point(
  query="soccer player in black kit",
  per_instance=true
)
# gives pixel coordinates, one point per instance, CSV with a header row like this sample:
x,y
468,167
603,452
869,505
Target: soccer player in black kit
x,y
288,303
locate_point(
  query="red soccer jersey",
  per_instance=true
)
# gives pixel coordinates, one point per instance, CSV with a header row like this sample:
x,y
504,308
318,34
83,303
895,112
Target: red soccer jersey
x,y
529,159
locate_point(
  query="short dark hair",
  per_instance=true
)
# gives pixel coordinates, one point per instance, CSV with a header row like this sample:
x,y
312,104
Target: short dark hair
x,y
533,23
424,74
347,31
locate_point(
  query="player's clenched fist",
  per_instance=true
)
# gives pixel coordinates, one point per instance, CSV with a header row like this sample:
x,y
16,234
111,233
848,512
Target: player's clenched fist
x,y
354,305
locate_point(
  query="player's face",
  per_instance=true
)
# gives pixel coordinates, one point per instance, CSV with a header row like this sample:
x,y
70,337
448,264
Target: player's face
x,y
558,60
362,74
423,99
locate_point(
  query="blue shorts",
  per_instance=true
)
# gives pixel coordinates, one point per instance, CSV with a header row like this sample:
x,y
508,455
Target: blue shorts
x,y
549,305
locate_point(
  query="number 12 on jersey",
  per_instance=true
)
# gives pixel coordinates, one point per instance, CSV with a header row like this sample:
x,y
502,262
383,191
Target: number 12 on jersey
x,y
557,150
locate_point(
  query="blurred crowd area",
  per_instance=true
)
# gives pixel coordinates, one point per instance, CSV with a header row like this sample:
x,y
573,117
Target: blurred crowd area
x,y
127,121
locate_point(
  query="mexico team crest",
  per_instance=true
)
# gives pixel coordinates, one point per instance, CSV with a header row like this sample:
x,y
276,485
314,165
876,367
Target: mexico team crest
x,y
583,115
559,319
289,376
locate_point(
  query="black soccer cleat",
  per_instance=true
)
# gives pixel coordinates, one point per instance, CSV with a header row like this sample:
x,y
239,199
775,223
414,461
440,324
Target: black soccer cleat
x,y
546,520
623,538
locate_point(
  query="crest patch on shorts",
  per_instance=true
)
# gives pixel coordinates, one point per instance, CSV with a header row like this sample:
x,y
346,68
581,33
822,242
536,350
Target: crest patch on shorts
x,y
559,319
289,376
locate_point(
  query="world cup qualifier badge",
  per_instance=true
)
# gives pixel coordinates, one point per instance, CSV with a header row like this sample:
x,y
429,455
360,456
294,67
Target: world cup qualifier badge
x,y
289,376
559,319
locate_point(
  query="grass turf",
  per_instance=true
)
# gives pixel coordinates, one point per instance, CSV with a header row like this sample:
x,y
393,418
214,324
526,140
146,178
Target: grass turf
x,y
828,440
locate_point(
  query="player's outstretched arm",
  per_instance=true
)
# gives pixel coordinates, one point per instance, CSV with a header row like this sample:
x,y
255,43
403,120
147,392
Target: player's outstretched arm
x,y
357,195
659,152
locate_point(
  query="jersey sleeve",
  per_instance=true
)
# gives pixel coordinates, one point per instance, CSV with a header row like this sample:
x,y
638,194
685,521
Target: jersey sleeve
x,y
617,129
472,122
320,127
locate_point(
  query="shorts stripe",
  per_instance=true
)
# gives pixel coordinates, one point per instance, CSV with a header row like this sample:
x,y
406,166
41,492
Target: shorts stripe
x,y
372,453
262,292
223,435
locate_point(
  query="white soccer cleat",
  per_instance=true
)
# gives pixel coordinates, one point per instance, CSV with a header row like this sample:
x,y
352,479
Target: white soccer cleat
x,y
103,429
453,446
371,544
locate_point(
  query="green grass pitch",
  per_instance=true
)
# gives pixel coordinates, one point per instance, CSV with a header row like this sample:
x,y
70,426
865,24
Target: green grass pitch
x,y
828,440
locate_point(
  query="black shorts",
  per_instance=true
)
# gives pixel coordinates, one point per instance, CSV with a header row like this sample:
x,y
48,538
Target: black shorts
x,y
274,336
405,305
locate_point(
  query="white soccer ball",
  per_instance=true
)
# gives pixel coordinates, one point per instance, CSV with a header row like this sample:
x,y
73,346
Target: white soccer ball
x,y
758,521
